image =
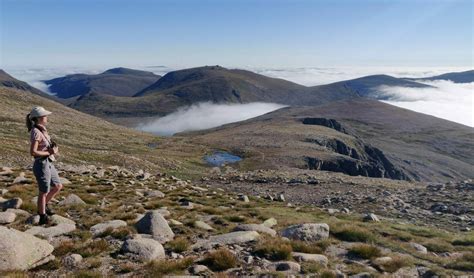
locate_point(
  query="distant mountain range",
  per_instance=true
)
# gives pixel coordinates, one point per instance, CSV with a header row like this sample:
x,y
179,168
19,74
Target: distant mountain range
x,y
116,82
220,85
456,77
122,92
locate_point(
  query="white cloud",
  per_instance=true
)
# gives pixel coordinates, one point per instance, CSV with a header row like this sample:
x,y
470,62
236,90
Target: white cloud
x,y
447,100
206,115
312,76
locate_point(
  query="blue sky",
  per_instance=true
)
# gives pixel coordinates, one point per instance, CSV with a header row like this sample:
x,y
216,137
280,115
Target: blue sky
x,y
292,33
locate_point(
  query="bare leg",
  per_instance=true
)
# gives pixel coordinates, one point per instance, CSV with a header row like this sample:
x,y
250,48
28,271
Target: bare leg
x,y
55,190
42,203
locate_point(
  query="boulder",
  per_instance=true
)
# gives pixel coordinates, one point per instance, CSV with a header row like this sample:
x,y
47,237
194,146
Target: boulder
x,y
100,228
22,251
19,212
58,219
270,222
143,249
155,224
255,227
7,217
52,231
305,257
307,232
225,239
154,194
14,203
72,199
64,181
6,171
419,248
21,179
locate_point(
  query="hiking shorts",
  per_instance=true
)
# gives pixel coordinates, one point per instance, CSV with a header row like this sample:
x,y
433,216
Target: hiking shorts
x,y
46,174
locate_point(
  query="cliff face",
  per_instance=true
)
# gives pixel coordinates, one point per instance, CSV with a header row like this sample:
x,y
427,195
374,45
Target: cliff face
x,y
361,159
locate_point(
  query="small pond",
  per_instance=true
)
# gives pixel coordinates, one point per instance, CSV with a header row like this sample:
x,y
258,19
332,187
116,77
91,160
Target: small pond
x,y
220,158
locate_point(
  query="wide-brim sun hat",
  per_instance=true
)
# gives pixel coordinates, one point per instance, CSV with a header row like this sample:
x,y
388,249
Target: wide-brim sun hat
x,y
39,111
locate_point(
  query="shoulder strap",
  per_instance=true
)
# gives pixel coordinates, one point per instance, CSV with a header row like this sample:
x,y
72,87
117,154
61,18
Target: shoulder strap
x,y
37,127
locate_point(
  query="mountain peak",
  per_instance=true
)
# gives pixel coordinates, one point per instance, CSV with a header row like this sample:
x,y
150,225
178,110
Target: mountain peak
x,y
122,70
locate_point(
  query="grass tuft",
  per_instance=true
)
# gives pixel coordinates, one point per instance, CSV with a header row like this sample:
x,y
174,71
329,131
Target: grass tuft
x,y
273,249
220,260
365,251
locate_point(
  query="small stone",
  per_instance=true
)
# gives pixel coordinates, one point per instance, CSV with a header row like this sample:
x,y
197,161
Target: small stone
x,y
286,266
371,217
255,227
72,261
203,225
72,199
175,222
244,198
226,239
197,269
281,198
100,228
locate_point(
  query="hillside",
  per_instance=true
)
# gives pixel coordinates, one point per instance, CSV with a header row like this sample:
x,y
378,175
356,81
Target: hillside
x,y
116,81
357,137
83,138
368,86
9,81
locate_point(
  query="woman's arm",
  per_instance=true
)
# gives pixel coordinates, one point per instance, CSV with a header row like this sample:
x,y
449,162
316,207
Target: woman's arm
x,y
35,152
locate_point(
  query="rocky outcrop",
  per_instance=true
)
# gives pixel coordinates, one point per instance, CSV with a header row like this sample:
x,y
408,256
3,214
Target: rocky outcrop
x,y
330,123
361,159
357,157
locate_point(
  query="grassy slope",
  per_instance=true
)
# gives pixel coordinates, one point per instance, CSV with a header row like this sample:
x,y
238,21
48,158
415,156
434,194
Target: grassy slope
x,y
86,139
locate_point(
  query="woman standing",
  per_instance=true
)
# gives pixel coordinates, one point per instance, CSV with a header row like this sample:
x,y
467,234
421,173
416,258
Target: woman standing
x,y
43,150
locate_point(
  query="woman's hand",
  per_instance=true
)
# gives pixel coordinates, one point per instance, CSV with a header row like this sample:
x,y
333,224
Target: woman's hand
x,y
53,150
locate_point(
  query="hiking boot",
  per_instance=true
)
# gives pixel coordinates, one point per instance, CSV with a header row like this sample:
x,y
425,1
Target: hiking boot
x,y
49,211
44,220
